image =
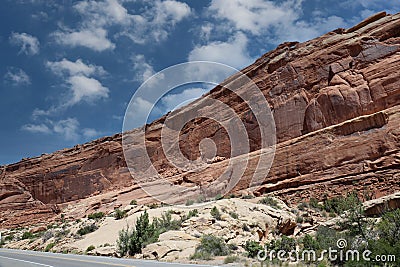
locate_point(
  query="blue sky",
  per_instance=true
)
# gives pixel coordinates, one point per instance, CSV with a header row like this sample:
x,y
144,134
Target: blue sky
x,y
69,68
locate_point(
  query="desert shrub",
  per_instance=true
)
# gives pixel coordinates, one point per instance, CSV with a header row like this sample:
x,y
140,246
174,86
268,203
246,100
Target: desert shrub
x,y
247,197
47,235
314,204
219,197
246,228
209,247
87,229
27,235
215,213
153,206
388,230
284,243
9,237
119,214
90,248
165,223
302,206
96,215
233,215
133,202
309,243
231,259
253,248
132,241
299,219
49,247
270,202
189,202
192,213
340,204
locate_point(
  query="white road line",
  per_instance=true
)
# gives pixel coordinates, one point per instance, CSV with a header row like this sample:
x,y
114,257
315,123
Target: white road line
x,y
31,262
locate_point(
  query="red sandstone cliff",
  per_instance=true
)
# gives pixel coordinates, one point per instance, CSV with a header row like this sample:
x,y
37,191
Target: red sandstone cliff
x,y
336,105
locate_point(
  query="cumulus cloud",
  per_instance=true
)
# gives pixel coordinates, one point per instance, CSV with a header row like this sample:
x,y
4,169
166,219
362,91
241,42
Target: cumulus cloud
x,y
273,21
90,133
143,70
78,67
77,77
154,23
254,15
95,39
68,128
17,77
86,89
233,52
28,43
39,128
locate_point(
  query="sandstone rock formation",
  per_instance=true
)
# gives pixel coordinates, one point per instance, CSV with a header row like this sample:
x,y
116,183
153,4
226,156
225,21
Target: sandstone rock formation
x,y
336,105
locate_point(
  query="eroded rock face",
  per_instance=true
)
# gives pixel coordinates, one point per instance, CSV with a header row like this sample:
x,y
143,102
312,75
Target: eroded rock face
x,y
336,105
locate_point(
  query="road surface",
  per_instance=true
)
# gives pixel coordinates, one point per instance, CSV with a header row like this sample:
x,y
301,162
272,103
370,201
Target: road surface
x,y
24,258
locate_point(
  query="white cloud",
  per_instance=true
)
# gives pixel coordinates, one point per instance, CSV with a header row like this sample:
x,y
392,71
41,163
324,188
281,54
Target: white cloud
x,y
77,77
40,128
153,23
174,101
272,21
17,77
170,11
86,89
233,52
29,44
68,128
95,39
254,15
90,133
78,67
143,70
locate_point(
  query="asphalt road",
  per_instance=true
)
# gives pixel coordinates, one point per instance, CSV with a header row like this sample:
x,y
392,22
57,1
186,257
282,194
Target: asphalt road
x,y
24,258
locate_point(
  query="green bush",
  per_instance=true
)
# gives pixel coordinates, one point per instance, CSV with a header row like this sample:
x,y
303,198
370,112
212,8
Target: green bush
x,y
302,206
388,230
270,202
90,248
27,235
189,202
253,248
299,219
340,204
119,214
215,213
192,213
284,243
309,243
219,197
315,205
9,237
132,241
96,215
49,247
133,202
231,259
165,223
87,229
247,197
209,247
233,215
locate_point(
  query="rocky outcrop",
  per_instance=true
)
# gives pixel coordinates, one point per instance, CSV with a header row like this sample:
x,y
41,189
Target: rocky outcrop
x,y
335,101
